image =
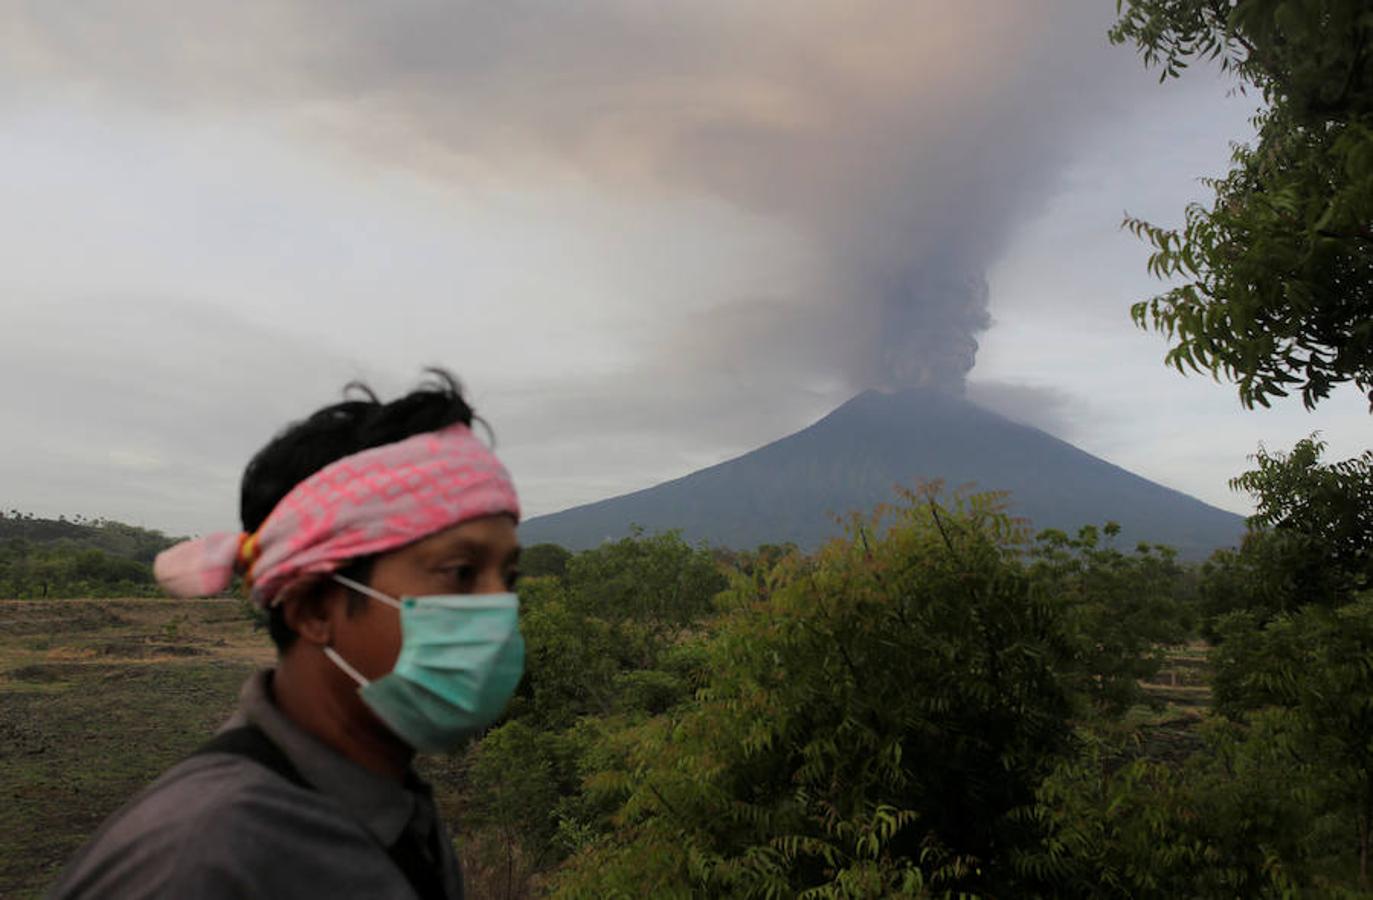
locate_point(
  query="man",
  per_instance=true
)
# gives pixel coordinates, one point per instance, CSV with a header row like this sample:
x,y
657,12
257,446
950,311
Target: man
x,y
381,540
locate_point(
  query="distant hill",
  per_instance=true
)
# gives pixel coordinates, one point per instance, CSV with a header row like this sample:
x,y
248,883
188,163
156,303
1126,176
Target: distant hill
x,y
853,459
114,538
76,557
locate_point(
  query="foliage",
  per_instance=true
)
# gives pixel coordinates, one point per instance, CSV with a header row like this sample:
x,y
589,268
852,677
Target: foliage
x,y
1277,295
940,705
599,649
1237,820
515,778
1317,665
937,705
1293,624
647,588
875,725
542,560
1277,274
759,561
1311,540
1263,577
1123,609
596,638
571,660
1330,506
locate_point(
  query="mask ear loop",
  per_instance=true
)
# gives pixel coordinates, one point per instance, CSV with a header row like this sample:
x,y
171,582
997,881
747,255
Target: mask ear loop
x,y
333,654
364,589
347,669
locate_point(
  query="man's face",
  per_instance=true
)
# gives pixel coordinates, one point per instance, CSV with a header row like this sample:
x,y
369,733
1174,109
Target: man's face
x,y
475,557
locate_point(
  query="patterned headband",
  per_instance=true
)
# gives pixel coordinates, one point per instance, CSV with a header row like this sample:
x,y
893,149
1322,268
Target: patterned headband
x,y
367,503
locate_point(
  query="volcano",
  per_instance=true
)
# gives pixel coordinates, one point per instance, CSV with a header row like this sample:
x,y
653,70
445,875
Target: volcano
x,y
855,458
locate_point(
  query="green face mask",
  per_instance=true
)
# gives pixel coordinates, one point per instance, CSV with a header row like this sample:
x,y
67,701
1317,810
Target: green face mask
x,y
461,658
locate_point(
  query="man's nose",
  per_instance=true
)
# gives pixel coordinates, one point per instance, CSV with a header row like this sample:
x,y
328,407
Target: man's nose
x,y
491,582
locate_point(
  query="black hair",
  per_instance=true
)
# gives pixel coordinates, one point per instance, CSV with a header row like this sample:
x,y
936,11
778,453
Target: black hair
x,y
360,422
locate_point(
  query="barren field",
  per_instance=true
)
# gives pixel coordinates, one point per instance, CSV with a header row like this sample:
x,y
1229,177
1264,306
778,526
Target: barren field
x,y
96,698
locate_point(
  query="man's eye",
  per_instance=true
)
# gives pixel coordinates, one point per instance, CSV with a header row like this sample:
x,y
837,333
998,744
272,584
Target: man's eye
x,y
461,574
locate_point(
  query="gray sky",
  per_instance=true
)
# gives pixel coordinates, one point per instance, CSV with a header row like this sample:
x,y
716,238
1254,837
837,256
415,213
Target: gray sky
x,y
647,236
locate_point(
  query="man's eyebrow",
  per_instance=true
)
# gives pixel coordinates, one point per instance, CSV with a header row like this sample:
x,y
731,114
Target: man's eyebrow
x,y
463,546
469,547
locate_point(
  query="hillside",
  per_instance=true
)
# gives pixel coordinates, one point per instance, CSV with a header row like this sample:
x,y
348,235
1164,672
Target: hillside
x,y
853,458
115,538
76,557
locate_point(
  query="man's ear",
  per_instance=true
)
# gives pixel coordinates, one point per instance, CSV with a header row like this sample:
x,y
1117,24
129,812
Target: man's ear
x,y
307,604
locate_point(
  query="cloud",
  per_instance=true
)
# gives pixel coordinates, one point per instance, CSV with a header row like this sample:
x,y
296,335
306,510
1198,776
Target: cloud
x,y
1046,407
903,140
147,410
718,384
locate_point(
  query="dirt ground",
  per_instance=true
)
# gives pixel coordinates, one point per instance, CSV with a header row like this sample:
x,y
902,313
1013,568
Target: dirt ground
x,y
97,697
1183,687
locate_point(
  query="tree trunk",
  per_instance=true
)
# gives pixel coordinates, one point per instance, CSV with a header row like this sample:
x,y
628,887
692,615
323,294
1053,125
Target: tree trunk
x,y
509,866
1363,850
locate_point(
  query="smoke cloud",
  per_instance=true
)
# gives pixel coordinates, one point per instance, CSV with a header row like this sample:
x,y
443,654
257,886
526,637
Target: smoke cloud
x,y
903,141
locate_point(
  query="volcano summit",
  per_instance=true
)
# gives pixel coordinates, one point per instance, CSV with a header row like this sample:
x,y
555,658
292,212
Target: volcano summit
x,y
855,457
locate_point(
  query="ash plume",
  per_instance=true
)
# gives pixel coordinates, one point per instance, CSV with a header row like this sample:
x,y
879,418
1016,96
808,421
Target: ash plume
x,y
904,139
931,319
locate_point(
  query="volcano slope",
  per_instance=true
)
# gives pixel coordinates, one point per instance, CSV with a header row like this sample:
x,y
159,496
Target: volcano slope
x,y
854,458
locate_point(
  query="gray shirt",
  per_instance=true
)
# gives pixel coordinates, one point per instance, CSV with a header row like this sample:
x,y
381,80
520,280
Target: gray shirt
x,y
219,825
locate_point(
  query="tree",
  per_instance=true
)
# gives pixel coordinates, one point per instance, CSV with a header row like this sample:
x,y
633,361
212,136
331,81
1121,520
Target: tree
x,y
648,588
571,660
1310,541
76,557
1236,820
1277,274
1329,505
1295,628
1271,572
1316,666
544,559
513,788
1123,609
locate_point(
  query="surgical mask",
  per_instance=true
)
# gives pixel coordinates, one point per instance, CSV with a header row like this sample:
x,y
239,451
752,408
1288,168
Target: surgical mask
x,y
461,658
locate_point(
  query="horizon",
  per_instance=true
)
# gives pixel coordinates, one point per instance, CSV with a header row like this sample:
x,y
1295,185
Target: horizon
x,y
81,518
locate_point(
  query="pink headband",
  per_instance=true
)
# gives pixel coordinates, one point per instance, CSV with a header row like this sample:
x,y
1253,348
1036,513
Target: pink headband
x,y
367,503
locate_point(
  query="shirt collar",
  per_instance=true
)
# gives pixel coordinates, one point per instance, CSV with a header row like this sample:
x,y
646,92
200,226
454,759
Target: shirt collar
x,y
380,804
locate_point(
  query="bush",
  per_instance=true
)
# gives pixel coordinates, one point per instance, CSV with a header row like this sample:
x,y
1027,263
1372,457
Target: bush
x,y
876,724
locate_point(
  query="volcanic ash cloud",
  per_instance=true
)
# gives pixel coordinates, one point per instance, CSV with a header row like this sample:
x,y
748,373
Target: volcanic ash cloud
x,y
905,139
